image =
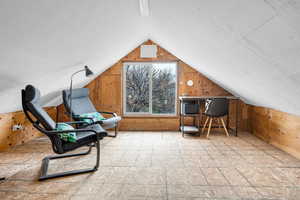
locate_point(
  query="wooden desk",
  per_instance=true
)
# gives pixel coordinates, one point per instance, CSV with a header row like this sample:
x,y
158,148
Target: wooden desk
x,y
192,98
202,99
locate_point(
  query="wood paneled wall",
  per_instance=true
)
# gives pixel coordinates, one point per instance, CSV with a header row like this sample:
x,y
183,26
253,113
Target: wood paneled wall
x,y
10,138
277,128
106,92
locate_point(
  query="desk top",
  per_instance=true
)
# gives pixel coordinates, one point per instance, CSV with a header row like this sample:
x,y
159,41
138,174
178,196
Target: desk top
x,y
182,98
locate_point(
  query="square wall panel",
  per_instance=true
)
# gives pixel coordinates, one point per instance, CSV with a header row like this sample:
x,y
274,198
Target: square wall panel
x,y
148,51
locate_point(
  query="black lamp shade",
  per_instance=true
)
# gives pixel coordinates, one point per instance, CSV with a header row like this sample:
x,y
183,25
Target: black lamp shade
x,y
88,72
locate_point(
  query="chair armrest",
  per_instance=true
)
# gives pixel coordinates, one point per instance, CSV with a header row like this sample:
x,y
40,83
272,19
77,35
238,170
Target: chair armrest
x,y
79,117
71,131
98,122
90,118
110,113
55,132
76,122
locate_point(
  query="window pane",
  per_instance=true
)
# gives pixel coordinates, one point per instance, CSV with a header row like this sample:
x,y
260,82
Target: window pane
x,y
164,88
137,88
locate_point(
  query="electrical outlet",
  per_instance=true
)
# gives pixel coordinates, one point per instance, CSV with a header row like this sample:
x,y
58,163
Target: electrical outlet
x,y
17,127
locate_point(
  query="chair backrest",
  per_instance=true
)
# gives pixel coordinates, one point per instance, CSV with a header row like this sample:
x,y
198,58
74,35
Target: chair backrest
x,y
217,107
81,102
31,103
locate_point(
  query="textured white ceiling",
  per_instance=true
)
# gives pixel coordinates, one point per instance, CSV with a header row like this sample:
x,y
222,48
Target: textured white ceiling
x,y
251,48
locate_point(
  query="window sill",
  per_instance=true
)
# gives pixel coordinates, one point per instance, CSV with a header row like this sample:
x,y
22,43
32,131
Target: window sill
x,y
150,116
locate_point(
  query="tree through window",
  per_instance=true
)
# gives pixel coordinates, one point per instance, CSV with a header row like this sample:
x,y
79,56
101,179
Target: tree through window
x,y
150,88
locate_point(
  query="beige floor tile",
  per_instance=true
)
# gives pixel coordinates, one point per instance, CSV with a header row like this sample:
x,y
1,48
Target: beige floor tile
x,y
195,192
293,174
144,176
278,193
259,176
157,165
117,175
214,176
293,193
14,157
31,196
234,177
246,192
133,191
45,187
185,176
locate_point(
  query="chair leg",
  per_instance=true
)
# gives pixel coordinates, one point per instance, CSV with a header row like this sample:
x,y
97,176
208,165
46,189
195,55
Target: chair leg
x,y
204,124
209,127
219,123
116,129
46,160
116,132
224,126
98,155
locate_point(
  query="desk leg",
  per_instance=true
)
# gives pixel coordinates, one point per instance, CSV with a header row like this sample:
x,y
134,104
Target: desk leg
x,y
236,119
199,118
227,121
182,124
194,121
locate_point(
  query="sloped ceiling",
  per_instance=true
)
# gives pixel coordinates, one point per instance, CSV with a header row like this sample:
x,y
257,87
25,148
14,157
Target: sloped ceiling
x,y
251,48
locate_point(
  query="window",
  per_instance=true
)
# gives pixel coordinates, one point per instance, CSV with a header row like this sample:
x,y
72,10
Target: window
x,y
150,88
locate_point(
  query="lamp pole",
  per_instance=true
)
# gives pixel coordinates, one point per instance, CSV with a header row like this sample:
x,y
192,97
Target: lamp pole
x,y
88,72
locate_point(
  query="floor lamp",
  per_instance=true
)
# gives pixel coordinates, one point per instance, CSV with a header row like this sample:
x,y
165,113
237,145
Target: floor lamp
x,y
88,73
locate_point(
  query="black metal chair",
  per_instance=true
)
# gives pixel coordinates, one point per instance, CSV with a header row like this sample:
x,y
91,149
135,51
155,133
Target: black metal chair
x,y
216,109
82,104
89,136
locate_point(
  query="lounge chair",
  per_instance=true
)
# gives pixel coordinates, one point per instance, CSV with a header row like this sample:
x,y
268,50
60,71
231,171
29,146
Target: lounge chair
x,y
88,135
81,104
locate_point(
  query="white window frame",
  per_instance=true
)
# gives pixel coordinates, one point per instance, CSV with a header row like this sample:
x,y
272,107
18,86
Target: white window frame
x,y
142,114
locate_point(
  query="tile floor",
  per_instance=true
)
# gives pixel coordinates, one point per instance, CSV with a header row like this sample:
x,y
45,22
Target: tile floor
x,y
160,166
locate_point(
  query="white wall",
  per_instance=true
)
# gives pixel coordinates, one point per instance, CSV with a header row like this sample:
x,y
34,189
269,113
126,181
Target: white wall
x,y
251,48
